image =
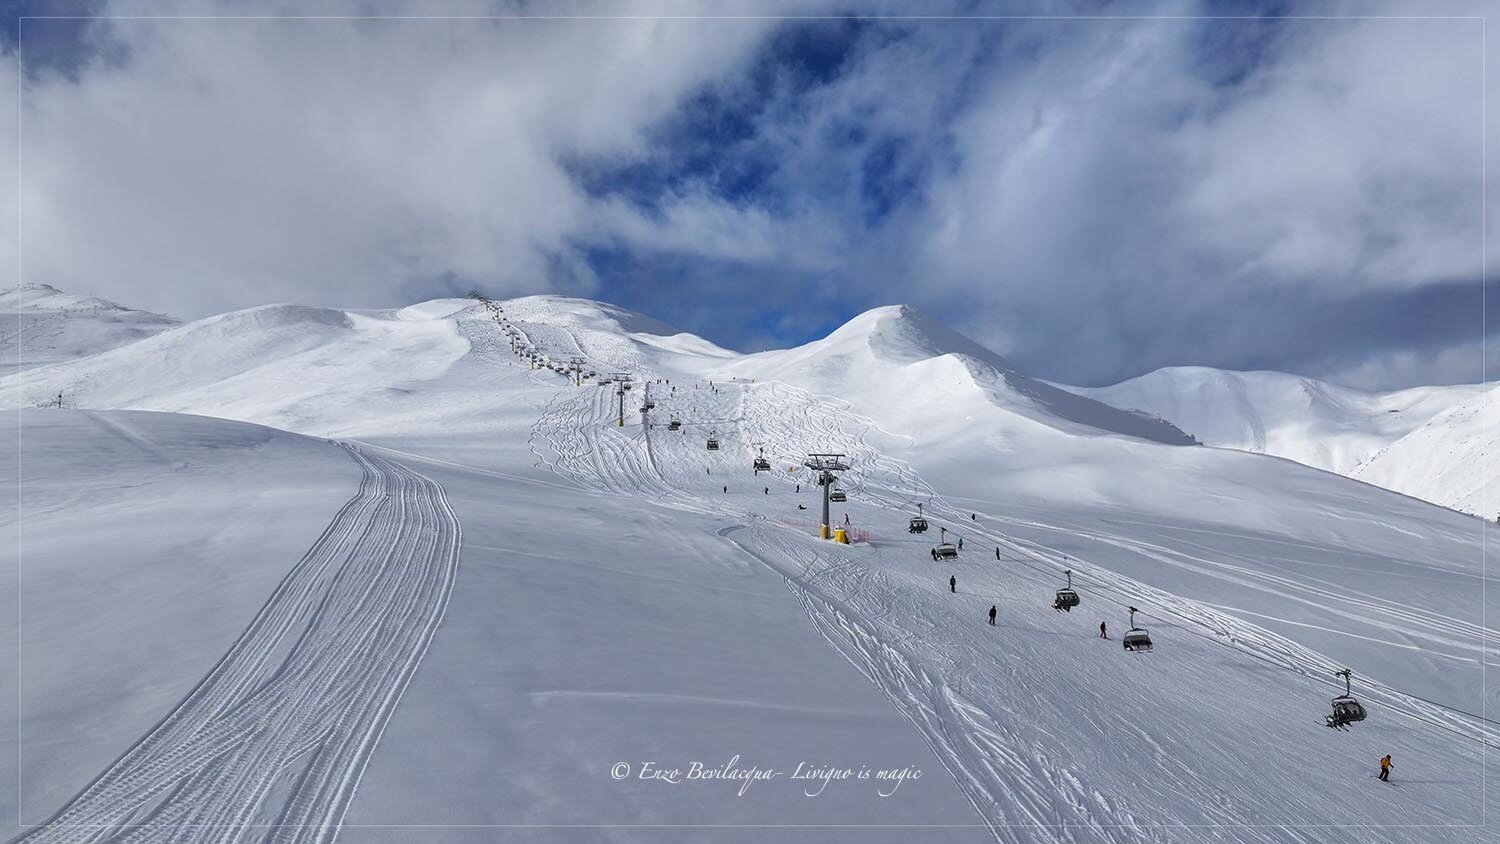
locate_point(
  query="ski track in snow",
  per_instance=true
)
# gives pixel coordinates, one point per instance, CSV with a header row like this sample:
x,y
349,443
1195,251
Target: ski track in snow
x,y
1008,776
271,745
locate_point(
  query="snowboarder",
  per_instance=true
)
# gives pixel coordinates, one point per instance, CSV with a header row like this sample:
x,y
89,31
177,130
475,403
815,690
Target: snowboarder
x,y
953,583
992,615
1385,767
1103,631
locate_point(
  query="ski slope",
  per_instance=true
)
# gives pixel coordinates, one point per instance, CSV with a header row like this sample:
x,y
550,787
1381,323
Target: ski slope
x,y
623,594
41,325
1303,419
1451,460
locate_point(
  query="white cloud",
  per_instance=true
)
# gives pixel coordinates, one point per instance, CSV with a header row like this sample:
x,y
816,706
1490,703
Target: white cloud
x,y
1111,195
230,162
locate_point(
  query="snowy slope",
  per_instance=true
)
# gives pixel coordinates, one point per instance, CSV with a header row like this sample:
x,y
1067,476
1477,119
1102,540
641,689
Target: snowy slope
x,y
1292,416
1451,460
40,325
289,366
145,543
624,595
897,354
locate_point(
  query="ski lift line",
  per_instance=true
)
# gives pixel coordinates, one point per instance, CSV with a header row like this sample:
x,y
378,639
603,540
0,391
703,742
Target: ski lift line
x,y
1291,664
1380,691
1384,692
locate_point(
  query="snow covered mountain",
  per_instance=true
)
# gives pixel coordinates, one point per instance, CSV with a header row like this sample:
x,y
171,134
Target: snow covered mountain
x,y
1292,416
1452,460
898,356
495,590
40,325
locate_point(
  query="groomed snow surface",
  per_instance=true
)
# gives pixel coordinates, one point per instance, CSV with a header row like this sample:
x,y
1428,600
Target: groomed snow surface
x,y
292,574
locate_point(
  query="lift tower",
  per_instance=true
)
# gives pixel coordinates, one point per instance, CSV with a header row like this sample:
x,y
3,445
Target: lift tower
x,y
824,465
576,366
622,379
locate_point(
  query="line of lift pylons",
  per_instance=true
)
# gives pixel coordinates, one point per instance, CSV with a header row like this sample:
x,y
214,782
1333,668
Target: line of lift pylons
x,y
1346,708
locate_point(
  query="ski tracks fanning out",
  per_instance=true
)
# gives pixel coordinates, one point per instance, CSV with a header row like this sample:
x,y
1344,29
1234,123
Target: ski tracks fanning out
x,y
271,745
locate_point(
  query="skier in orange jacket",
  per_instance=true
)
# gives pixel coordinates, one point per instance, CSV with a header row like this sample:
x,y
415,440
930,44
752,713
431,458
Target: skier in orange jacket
x,y
1385,767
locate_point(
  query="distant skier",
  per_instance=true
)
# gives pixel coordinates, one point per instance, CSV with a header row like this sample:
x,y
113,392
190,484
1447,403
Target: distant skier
x,y
768,490
960,543
1385,767
973,517
933,552
726,489
800,507
997,552
846,518
992,615
953,583
1103,631
799,487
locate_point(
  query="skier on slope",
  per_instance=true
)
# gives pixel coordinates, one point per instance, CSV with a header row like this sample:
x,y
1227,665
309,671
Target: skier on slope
x,y
726,489
997,552
933,552
1103,631
953,583
960,543
768,490
992,615
1385,767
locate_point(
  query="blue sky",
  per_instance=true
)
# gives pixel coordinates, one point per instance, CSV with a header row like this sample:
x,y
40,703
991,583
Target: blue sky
x,y
1092,196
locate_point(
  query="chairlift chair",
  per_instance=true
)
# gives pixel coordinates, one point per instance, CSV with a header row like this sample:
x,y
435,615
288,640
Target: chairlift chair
x,y
1136,639
946,550
837,494
674,425
713,441
1067,599
918,523
1346,710
761,463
